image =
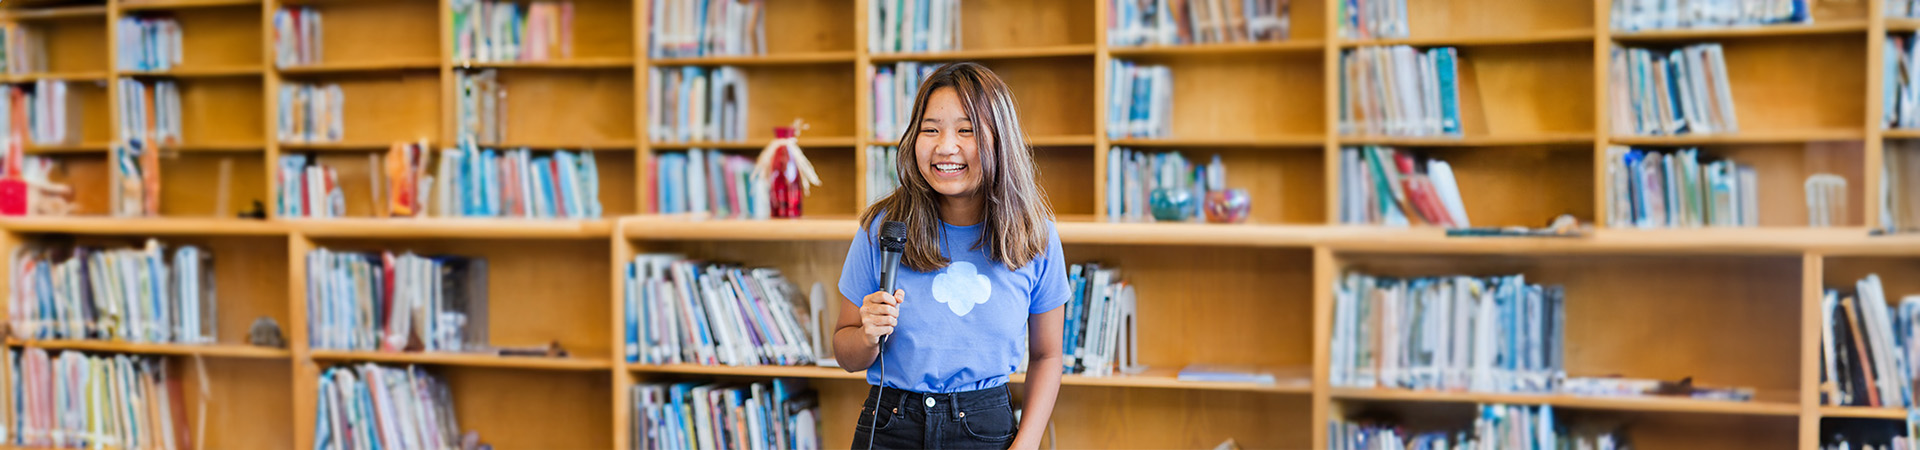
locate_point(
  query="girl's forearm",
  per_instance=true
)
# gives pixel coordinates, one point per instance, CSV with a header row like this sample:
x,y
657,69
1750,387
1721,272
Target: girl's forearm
x,y
1043,386
851,349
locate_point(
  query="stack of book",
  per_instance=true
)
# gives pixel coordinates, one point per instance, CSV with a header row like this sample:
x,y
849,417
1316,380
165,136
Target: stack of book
x,y
1388,186
1400,91
296,36
498,31
126,294
22,49
149,112
43,104
1900,102
696,28
900,26
1639,15
308,188
149,43
1372,19
883,175
1903,8
1133,176
1139,100
1866,347
781,413
1100,325
94,401
311,113
1454,333
480,105
1650,189
683,311
1900,186
1180,22
477,182
1496,426
1682,91
697,104
894,90
371,406
392,303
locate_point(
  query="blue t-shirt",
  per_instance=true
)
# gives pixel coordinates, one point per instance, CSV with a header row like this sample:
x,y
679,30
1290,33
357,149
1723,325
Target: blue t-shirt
x,y
962,327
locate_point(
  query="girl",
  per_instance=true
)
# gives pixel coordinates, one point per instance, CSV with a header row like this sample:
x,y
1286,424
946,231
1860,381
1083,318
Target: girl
x,y
982,275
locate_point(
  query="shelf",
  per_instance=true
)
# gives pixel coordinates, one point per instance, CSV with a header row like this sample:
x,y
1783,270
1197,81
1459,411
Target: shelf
x,y
1903,24
1837,27
1006,53
1153,378
61,76
615,145
464,360
344,146
1744,138
1647,404
1862,412
1471,141
213,350
805,142
141,226
577,63
1238,48
84,147
771,59
1285,141
1900,133
1547,37
361,66
1069,140
64,12
814,372
451,228
222,147
132,5
200,72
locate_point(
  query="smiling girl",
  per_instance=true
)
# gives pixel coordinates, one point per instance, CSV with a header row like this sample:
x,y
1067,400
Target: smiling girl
x,y
983,269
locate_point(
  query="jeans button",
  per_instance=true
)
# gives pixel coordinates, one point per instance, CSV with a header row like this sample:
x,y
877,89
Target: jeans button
x,y
929,402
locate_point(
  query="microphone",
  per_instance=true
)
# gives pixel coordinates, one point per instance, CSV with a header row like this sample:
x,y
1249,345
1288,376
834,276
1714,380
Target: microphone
x,y
893,242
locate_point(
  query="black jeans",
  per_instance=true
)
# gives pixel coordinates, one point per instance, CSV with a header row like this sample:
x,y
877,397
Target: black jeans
x,y
972,419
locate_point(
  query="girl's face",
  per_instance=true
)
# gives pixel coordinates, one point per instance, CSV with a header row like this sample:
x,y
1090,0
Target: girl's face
x,y
945,149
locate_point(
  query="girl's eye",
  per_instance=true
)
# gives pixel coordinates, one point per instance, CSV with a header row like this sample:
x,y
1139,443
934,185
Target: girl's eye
x,y
966,131
928,131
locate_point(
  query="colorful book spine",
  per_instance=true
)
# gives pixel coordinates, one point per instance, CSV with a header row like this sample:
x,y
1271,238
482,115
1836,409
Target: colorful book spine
x,y
1455,333
681,311
1392,187
149,43
308,188
1400,91
371,406
697,104
297,37
312,113
488,31
486,182
139,294
1188,22
76,400
1139,100
781,413
904,26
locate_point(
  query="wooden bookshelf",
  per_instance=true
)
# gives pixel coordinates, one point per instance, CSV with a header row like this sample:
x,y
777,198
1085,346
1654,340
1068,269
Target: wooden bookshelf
x,y
1535,116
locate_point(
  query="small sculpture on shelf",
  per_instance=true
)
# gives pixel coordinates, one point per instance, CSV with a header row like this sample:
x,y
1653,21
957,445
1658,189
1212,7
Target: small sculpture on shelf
x,y
266,333
1225,205
785,172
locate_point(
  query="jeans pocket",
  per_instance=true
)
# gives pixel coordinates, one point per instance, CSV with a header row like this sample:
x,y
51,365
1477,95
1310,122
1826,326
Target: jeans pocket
x,y
992,423
869,423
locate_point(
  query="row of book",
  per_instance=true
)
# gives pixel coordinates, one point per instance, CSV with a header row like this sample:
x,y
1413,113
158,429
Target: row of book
x,y
43,104
1900,186
371,406
1495,426
900,26
380,301
502,31
1134,175
893,92
308,188
23,49
1451,333
710,182
685,311
1183,22
1101,326
1372,19
697,104
484,182
1389,186
296,36
78,400
1400,91
883,175
1649,188
778,414
1682,91
135,190
696,28
1903,8
1637,15
1139,100
480,107
149,43
1866,346
150,112
134,294
312,113
1900,101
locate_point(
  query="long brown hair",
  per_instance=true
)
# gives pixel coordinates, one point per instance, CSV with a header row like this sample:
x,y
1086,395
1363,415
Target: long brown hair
x,y
1015,212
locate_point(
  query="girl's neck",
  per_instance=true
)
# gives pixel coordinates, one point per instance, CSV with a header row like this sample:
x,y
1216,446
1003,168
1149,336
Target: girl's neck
x,y
961,211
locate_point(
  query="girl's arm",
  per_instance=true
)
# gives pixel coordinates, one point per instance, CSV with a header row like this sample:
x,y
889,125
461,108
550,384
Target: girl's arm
x,y
1044,332
856,338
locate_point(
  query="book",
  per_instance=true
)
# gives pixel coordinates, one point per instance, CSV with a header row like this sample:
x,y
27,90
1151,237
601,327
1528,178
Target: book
x,y
1400,91
685,311
491,31
297,37
693,104
1146,172
778,413
895,87
77,400
1187,22
480,107
23,49
1649,188
905,26
1390,186
149,43
308,188
379,406
380,301
1102,336
883,172
1867,346
1493,426
312,113
43,108
521,183
698,28
1683,91
1443,333
149,112
1224,374
132,294
1139,100
1899,194
1643,15
1372,19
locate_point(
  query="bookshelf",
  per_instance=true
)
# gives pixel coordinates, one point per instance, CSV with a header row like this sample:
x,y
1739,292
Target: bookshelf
x,y
1535,115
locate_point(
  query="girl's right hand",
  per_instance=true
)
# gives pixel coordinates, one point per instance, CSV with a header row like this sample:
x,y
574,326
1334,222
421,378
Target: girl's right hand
x,y
879,313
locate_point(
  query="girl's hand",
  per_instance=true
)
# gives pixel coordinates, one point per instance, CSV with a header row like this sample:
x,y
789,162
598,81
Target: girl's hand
x,y
879,313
